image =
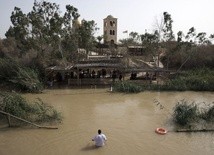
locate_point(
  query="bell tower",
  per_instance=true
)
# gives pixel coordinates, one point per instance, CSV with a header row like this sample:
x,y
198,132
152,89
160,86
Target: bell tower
x,y
110,30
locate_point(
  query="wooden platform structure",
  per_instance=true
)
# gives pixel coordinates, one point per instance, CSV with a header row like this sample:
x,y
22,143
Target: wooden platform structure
x,y
100,72
90,72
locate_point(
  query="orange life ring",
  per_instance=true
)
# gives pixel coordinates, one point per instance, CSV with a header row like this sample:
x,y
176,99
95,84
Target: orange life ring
x,y
161,131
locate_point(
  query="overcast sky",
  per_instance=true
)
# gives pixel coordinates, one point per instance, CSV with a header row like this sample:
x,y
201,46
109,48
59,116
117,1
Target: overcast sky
x,y
133,15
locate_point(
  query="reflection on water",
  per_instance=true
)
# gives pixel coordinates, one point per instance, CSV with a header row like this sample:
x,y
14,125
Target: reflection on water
x,y
128,121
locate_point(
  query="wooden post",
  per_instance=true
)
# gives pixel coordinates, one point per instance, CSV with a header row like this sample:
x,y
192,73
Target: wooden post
x,y
195,130
8,119
78,77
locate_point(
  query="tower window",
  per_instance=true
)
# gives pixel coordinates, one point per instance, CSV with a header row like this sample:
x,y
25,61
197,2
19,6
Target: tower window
x,y
113,32
111,23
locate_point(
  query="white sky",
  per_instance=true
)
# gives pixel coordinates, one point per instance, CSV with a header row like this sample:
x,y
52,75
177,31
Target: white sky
x,y
133,15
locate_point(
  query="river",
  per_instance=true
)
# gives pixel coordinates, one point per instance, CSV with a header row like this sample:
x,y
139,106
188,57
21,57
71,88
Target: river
x,y
128,120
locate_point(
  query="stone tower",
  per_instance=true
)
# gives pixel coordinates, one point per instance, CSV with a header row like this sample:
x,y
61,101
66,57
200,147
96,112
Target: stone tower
x,y
110,30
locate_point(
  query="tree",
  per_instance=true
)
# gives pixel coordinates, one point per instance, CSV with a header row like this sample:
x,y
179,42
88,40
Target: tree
x,y
69,36
127,42
99,38
202,39
46,25
158,27
8,48
195,38
135,37
211,37
133,40
86,34
45,30
190,37
20,29
180,36
150,42
168,36
167,27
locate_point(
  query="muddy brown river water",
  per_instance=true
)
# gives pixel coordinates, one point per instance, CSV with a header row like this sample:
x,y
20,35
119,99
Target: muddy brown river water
x,y
128,120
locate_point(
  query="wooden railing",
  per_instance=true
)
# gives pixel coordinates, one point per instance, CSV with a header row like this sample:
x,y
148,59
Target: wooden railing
x,y
23,120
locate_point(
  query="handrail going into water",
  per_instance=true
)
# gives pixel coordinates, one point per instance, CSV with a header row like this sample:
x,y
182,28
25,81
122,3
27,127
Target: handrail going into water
x,y
8,116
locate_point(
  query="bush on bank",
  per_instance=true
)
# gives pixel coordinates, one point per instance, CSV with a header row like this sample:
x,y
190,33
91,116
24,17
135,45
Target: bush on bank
x,y
127,87
38,111
194,80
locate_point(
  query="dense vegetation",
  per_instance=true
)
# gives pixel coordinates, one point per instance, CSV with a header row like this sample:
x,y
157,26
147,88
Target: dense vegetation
x,y
190,114
195,80
41,38
38,111
186,56
45,37
18,77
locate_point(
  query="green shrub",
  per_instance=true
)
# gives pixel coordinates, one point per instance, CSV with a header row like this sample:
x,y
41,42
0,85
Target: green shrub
x,y
208,114
38,111
196,80
15,105
19,77
177,84
45,112
185,113
127,87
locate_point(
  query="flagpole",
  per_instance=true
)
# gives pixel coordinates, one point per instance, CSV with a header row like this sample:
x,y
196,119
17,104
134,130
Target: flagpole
x,y
126,33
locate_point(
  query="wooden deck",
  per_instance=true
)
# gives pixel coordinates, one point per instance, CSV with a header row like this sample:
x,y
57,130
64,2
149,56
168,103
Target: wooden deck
x,y
90,81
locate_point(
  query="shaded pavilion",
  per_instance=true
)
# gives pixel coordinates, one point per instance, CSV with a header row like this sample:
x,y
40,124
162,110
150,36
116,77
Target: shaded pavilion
x,y
88,72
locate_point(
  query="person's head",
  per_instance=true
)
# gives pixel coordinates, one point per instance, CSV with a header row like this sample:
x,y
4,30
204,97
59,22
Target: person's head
x,y
99,131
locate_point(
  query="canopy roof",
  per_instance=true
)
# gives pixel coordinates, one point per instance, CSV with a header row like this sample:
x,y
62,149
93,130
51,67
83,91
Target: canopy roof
x,y
89,64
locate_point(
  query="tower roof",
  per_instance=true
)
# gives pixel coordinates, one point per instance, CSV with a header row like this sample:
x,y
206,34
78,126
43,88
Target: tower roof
x,y
110,16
